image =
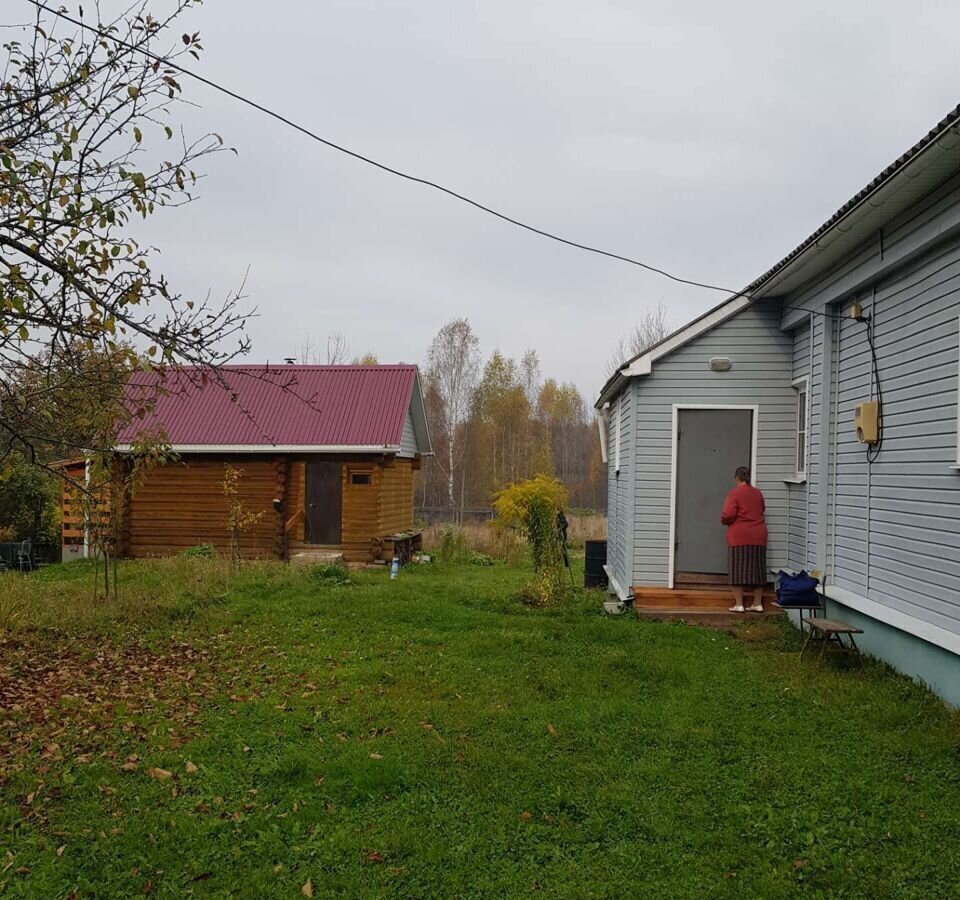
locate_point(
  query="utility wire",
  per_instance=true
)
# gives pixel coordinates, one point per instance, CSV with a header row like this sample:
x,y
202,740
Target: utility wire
x,y
426,182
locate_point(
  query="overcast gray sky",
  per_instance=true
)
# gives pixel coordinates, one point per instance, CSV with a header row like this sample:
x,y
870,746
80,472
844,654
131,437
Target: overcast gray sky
x,y
706,138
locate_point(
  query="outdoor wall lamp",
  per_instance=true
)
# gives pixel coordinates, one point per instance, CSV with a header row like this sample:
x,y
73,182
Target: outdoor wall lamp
x,y
720,364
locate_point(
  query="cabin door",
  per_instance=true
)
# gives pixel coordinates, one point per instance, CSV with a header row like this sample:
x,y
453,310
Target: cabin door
x,y
324,503
710,445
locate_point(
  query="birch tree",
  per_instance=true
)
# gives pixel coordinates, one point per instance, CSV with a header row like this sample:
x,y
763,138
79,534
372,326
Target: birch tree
x,y
453,362
651,328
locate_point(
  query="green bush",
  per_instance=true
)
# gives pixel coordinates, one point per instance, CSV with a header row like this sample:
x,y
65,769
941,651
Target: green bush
x,y
548,587
30,505
531,508
331,573
480,559
199,551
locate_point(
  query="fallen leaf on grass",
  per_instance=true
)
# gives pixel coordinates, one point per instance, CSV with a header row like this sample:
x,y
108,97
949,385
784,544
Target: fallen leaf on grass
x,y
191,768
373,856
60,849
375,756
800,863
551,729
246,749
525,816
307,889
161,774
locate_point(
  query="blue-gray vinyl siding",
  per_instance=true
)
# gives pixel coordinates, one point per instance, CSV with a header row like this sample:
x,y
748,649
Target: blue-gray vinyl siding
x,y
408,442
619,489
797,493
892,529
762,357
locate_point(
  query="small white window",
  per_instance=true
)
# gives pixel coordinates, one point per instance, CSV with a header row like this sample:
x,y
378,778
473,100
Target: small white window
x,y
616,445
803,426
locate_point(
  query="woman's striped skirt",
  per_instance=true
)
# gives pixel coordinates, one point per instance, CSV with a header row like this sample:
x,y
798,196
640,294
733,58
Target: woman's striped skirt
x,y
747,566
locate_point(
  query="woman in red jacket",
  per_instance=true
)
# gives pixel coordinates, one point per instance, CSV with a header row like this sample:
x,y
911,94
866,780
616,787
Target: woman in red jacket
x,y
746,540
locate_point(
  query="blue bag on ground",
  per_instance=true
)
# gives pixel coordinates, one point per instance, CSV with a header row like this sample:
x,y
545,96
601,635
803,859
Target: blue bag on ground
x,y
797,590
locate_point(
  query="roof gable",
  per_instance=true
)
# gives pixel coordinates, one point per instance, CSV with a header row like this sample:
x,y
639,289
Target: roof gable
x,y
289,407
927,163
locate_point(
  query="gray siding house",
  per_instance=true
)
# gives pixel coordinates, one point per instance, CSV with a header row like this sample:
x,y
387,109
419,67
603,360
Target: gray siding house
x,y
866,309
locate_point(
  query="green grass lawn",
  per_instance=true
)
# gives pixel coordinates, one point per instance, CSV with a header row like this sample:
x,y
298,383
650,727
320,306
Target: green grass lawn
x,y
431,737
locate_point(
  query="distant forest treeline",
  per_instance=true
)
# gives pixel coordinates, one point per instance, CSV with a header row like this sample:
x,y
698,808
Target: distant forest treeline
x,y
498,421
492,423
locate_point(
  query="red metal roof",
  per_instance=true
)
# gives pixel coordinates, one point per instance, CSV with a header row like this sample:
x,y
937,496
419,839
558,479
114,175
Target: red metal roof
x,y
264,406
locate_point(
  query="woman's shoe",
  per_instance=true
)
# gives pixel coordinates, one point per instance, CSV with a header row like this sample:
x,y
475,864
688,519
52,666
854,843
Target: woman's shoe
x,y
756,608
736,609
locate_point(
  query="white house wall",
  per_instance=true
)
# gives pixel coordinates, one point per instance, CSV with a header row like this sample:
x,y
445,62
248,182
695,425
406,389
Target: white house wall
x,y
762,356
892,529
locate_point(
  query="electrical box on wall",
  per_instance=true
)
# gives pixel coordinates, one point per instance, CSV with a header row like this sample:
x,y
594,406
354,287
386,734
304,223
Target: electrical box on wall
x,y
866,420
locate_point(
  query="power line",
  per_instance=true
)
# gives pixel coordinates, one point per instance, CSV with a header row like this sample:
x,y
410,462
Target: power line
x,y
426,182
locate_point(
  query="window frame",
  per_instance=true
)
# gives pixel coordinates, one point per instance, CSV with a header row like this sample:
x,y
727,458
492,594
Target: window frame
x,y
362,473
801,386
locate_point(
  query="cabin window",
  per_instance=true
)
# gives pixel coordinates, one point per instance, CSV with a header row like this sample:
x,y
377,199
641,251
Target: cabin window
x,y
361,478
801,386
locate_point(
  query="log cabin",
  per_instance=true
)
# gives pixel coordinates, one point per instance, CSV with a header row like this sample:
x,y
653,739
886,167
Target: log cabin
x,y
326,457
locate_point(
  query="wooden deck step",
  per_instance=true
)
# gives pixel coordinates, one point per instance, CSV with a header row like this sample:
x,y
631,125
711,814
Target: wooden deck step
x,y
707,600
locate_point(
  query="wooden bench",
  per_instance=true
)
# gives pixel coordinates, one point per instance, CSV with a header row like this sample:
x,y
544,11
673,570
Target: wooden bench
x,y
823,630
831,631
402,545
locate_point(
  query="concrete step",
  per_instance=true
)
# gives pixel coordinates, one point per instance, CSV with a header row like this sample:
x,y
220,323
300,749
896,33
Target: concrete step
x,y
316,558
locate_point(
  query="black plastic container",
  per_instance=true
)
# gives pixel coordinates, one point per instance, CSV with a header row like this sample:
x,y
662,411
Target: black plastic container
x,y
594,559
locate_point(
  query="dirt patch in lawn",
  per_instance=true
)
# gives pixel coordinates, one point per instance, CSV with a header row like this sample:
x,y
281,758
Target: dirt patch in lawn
x,y
73,700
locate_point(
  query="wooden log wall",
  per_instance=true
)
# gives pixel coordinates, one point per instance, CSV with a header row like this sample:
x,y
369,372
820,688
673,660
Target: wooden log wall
x,y
71,514
296,494
360,524
369,511
182,504
396,497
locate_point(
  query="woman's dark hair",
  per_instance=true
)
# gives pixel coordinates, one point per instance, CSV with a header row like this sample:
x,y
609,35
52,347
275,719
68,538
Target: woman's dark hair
x,y
742,474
